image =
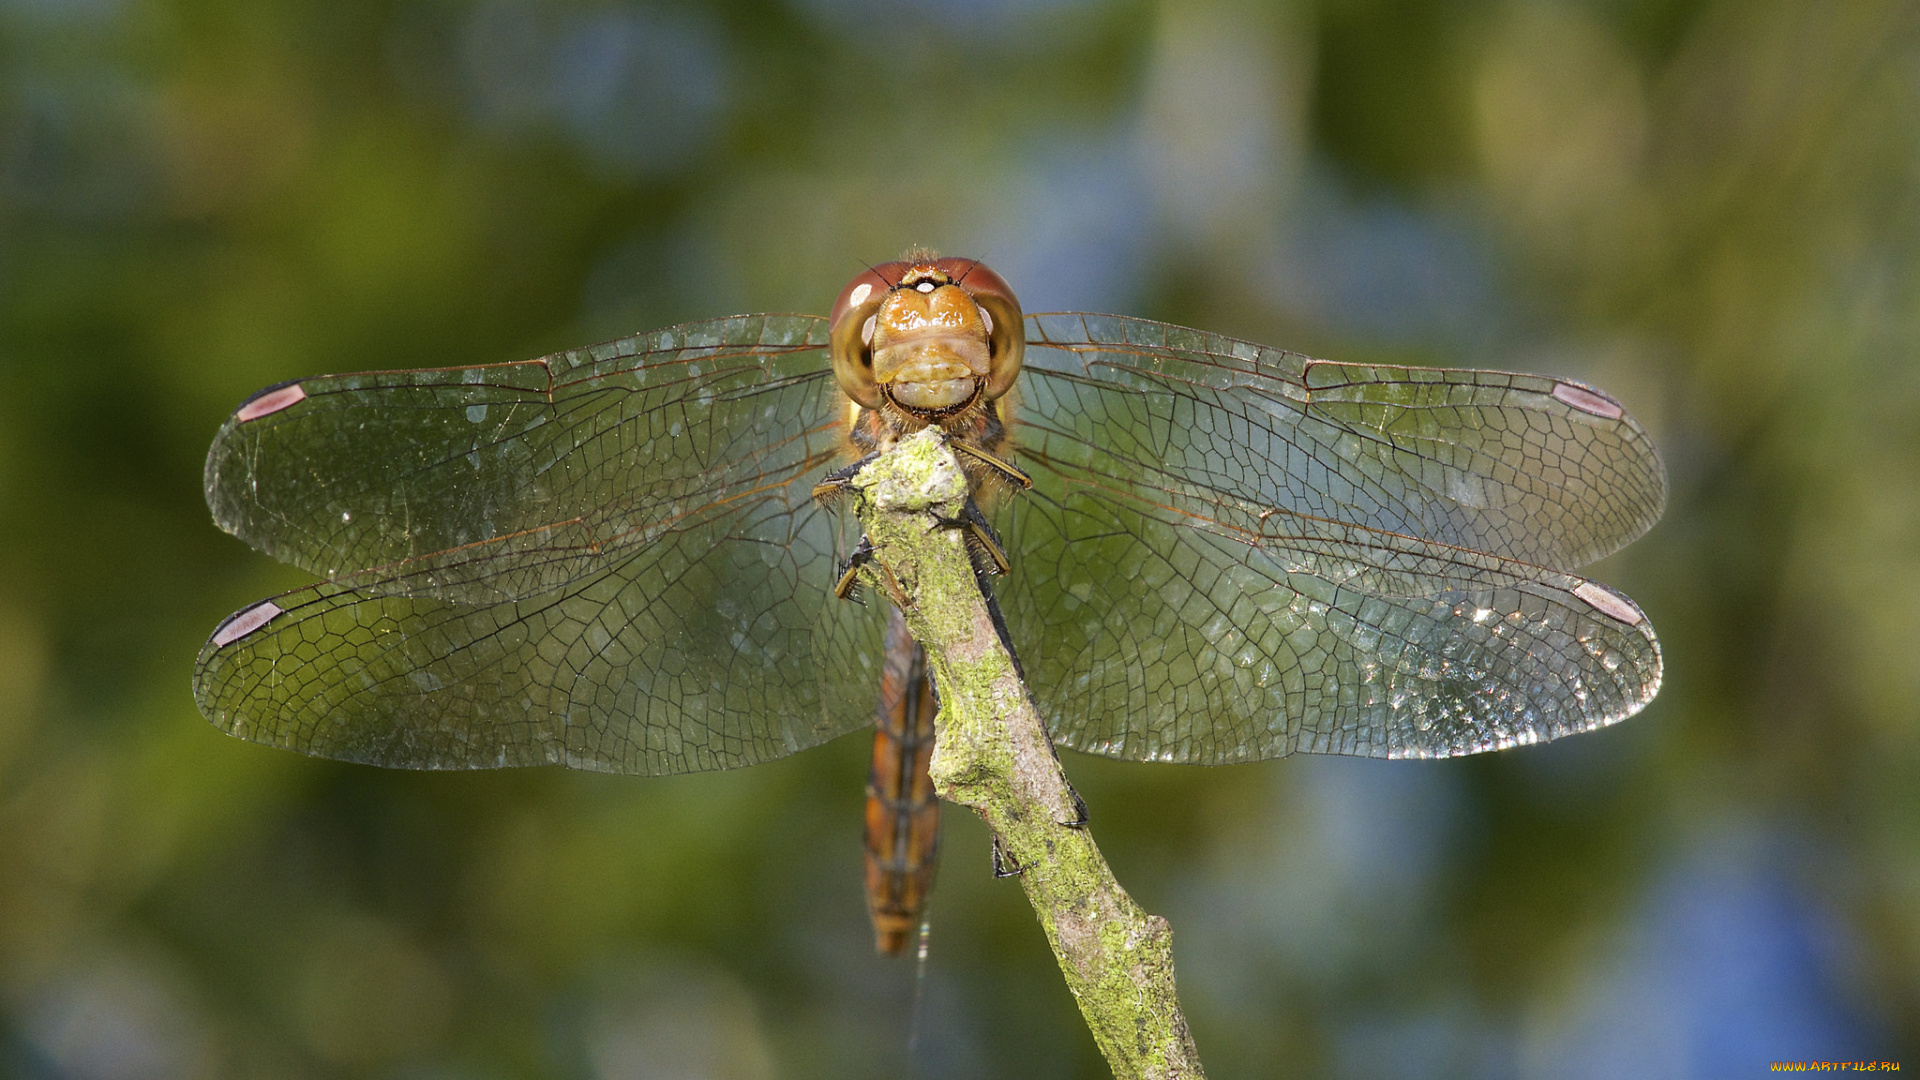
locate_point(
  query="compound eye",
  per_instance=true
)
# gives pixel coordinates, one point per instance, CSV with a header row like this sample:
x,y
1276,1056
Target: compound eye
x,y
866,290
852,335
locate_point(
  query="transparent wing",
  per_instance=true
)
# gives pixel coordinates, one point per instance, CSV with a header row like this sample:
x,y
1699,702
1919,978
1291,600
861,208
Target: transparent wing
x,y
1233,552
1527,467
497,482
608,558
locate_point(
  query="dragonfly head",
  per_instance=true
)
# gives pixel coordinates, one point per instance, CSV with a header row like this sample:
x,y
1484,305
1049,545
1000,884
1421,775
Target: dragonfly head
x,y
932,338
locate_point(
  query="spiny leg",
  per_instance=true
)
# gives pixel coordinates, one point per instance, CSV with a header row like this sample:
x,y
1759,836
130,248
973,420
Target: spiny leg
x,y
847,587
1004,864
995,467
840,481
983,545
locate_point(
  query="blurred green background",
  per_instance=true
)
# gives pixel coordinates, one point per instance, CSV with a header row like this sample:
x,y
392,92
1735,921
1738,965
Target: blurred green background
x,y
1711,209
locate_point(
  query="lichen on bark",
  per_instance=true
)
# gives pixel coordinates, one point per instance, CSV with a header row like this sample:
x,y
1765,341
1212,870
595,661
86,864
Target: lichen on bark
x,y
992,753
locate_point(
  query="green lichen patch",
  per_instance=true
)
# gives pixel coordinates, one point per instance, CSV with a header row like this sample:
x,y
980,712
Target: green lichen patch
x,y
993,754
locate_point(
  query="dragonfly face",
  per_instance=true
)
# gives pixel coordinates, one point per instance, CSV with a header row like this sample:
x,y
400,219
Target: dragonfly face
x,y
927,339
610,557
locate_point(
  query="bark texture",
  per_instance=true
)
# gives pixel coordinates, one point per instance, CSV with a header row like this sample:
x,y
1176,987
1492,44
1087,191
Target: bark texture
x,y
993,754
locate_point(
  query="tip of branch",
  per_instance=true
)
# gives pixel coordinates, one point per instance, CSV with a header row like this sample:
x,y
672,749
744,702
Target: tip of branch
x,y
920,474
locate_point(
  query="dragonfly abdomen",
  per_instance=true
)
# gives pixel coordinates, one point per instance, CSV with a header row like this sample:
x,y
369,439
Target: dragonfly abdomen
x,y
903,813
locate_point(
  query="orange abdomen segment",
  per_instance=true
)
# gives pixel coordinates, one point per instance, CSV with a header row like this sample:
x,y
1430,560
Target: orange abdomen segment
x,y
903,814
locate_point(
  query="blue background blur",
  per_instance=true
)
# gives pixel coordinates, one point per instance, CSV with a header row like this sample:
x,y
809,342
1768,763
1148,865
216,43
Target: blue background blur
x,y
1711,209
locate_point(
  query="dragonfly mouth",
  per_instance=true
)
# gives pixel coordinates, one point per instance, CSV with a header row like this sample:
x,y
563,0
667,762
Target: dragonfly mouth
x,y
934,400
932,373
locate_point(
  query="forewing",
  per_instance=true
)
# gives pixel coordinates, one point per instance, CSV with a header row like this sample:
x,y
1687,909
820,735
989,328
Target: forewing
x,y
1525,467
494,483
1216,565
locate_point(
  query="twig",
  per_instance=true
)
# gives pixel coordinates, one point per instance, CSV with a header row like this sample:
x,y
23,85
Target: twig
x,y
993,754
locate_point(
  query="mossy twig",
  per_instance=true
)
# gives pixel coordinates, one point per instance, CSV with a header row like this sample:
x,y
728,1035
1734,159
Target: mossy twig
x,y
993,754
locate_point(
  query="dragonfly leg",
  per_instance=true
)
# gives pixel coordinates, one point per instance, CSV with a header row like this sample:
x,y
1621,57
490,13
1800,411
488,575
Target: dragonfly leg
x,y
1080,815
848,585
996,468
836,483
983,547
1004,864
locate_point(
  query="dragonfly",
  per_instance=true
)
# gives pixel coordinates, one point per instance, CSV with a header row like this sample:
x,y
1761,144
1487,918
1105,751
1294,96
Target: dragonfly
x,y
630,558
